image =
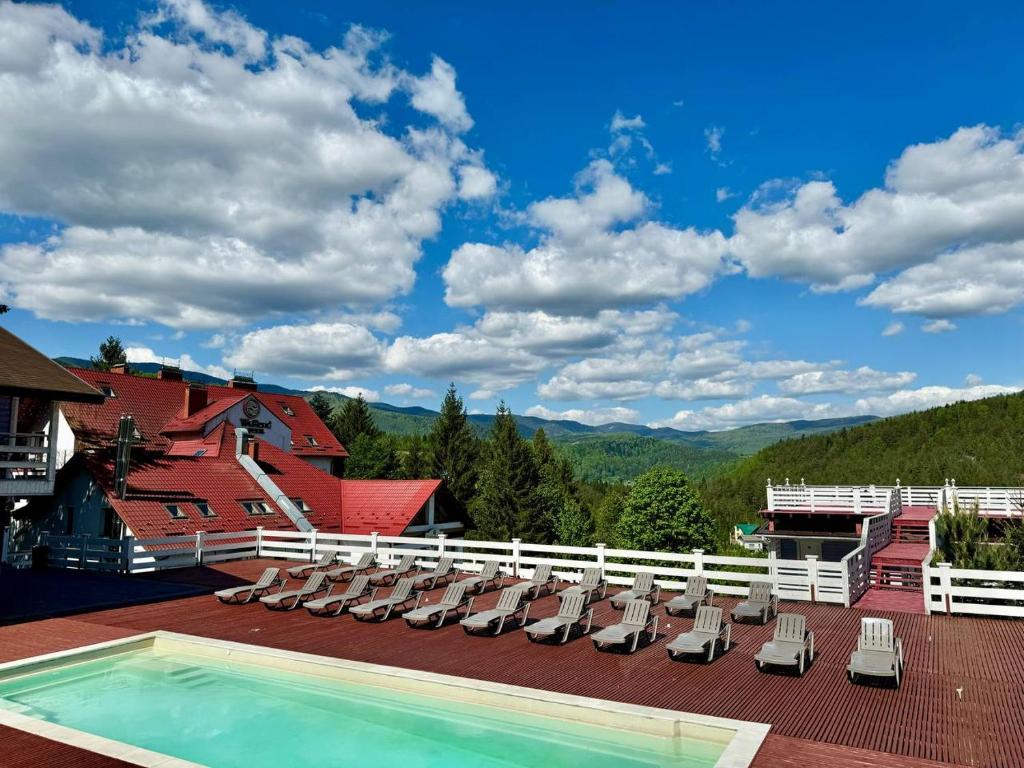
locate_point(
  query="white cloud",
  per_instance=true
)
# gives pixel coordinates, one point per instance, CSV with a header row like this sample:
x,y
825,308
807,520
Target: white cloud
x,y
476,183
369,395
972,380
482,394
938,326
662,169
756,410
594,417
316,350
461,356
957,202
201,151
217,341
908,400
185,361
893,329
713,136
703,389
436,94
622,123
594,253
724,193
409,391
863,379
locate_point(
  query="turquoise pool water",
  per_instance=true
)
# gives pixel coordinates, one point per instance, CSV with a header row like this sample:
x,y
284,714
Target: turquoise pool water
x,y
224,715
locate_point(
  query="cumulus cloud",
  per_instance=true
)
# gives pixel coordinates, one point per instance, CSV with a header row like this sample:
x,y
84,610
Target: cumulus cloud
x,y
938,326
957,202
316,350
209,174
972,380
353,391
863,379
594,417
908,400
409,391
724,193
594,252
185,361
622,123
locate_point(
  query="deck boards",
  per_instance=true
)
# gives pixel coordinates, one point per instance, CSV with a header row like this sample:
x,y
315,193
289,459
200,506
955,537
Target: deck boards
x,y
959,703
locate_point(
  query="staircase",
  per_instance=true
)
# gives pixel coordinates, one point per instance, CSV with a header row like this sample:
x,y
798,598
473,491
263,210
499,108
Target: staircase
x,y
897,582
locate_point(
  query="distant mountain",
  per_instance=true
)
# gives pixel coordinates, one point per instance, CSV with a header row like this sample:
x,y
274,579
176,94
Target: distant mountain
x,y
616,451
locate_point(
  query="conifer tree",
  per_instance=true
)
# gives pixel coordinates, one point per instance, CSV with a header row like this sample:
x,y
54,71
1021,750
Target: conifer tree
x,y
372,457
507,504
321,406
560,506
415,465
453,448
111,353
352,420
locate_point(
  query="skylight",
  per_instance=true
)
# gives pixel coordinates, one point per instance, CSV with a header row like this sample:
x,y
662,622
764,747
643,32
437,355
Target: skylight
x,y
108,390
175,512
200,452
205,509
302,505
257,508
310,440
287,410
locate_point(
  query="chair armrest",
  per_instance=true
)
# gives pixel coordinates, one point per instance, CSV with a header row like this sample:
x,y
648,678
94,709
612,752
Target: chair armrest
x,y
590,620
469,605
284,583
657,593
526,612
419,596
899,650
809,641
654,627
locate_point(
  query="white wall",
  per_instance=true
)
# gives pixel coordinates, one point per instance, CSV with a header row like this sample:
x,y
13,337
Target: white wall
x,y
277,433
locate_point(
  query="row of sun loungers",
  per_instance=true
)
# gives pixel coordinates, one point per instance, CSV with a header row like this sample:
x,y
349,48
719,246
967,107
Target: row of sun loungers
x,y
879,652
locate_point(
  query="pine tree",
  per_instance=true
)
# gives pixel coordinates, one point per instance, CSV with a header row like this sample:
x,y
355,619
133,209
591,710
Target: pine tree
x,y
663,513
415,465
372,457
453,448
507,504
321,406
352,420
111,353
558,498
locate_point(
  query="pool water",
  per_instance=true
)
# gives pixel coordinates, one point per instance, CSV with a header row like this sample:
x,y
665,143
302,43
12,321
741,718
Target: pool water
x,y
228,715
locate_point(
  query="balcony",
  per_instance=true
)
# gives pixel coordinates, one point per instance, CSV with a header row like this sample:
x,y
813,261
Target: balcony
x,y
26,464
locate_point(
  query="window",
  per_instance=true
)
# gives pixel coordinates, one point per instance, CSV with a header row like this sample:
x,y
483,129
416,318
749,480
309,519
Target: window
x,y
256,508
304,508
175,512
287,410
205,509
200,452
107,390
310,440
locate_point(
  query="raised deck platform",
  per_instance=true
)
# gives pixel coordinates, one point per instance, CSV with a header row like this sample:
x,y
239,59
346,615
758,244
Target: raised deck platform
x,y
817,721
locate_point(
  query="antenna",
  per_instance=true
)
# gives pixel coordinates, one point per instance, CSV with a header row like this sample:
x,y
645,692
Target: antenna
x,y
125,438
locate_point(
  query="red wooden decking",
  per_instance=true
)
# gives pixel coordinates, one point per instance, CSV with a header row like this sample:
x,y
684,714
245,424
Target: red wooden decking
x,y
898,553
960,702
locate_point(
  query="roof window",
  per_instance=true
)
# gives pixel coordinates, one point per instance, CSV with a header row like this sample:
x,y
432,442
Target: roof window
x,y
107,390
257,508
287,410
310,440
175,512
205,509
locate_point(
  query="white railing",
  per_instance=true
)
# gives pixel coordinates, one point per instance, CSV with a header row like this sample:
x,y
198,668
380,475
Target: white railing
x,y
808,580
876,533
983,593
872,499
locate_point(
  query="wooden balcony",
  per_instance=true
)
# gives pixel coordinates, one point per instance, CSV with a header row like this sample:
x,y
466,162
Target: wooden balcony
x,y
26,464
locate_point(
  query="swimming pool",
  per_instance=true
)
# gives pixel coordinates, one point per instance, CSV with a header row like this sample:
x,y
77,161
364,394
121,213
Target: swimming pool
x,y
227,705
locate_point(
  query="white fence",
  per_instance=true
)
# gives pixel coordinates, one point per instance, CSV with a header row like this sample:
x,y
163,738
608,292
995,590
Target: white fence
x,y
983,593
808,580
872,499
876,533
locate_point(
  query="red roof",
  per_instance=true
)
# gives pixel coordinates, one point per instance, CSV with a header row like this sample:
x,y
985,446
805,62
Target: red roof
x,y
385,506
215,477
156,404
198,420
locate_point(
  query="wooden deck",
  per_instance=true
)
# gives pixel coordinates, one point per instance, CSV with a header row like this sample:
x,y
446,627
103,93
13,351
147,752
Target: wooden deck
x,y
960,702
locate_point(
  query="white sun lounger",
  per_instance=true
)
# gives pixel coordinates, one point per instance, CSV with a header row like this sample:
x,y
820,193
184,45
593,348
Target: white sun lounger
x,y
592,585
570,614
708,631
879,652
636,621
643,589
290,599
359,589
512,606
382,608
300,571
241,595
791,646
348,572
434,615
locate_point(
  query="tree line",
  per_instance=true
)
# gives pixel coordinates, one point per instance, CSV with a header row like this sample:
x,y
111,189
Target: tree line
x,y
512,487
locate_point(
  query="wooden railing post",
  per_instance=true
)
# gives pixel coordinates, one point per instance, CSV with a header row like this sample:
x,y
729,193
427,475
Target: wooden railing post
x,y
373,542
698,561
83,558
199,547
5,548
812,576
773,570
516,554
312,546
946,585
259,541
440,544
600,556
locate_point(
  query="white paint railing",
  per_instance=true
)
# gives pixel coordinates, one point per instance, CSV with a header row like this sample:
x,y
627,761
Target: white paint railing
x,y
871,499
876,533
982,593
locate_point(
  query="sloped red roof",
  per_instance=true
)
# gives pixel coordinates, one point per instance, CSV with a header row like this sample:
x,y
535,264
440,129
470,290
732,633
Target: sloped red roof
x,y
155,403
209,445
156,480
385,506
299,479
197,420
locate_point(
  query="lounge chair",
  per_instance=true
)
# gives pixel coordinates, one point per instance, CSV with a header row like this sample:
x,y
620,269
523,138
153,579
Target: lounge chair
x,y
443,573
384,578
760,604
592,584
435,615
289,599
348,572
696,595
301,571
708,630
636,620
382,608
242,595
879,652
489,576
643,589
335,605
792,645
512,606
570,614
541,580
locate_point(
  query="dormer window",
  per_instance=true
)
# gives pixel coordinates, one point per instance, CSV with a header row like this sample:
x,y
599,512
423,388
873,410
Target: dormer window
x,y
107,390
175,511
287,410
310,440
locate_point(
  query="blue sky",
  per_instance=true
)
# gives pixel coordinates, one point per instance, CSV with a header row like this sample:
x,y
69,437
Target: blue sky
x,y
702,216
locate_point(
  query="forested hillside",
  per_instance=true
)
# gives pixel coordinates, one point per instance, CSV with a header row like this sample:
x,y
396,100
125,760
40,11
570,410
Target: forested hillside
x,y
619,457
976,443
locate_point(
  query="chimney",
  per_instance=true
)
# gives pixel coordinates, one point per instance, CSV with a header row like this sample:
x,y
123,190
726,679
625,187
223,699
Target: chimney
x,y
239,381
252,449
169,373
119,368
195,398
